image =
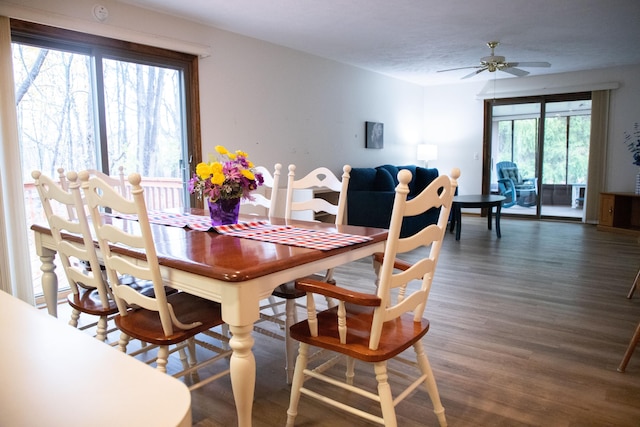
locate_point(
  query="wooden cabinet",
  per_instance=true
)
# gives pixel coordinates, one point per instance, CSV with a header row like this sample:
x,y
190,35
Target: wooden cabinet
x,y
620,212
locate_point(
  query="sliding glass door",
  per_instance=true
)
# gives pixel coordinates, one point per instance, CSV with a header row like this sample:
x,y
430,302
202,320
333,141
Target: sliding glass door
x,y
82,106
567,126
539,154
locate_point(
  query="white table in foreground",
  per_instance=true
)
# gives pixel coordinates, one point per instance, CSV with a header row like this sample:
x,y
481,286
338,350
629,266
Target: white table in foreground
x,y
55,375
234,271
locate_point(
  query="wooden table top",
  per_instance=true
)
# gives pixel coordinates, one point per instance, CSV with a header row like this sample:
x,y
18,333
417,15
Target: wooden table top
x,y
234,259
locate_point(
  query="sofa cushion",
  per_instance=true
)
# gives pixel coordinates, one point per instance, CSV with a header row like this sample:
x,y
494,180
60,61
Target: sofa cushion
x,y
393,171
362,179
383,181
372,191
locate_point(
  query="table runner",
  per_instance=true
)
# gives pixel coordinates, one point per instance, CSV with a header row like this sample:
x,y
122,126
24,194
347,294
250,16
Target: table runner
x,y
258,230
292,236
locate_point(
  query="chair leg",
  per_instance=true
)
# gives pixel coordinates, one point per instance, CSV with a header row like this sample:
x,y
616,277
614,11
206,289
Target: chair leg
x,y
75,315
101,329
384,392
123,342
296,385
633,287
183,358
430,383
289,344
632,345
163,356
274,305
351,363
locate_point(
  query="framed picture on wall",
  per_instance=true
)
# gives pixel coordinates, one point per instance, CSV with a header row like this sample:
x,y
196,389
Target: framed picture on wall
x,y
374,135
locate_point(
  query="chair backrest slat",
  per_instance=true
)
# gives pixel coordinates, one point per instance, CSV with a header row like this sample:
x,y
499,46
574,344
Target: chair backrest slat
x,y
439,194
318,179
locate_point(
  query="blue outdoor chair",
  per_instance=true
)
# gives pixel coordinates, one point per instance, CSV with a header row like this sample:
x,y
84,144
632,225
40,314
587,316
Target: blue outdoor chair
x,y
517,190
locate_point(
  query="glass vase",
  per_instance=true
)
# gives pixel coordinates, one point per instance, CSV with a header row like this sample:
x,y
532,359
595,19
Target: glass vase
x,y
224,211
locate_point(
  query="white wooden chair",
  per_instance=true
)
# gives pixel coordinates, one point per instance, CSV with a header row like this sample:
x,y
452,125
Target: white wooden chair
x,y
377,327
318,179
268,202
161,318
89,292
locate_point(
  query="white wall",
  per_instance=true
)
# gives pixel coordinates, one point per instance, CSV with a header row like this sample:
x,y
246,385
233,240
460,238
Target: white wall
x,y
285,106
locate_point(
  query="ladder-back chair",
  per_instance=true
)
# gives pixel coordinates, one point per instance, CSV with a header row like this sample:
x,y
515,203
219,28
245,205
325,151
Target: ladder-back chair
x,y
160,318
89,292
377,327
318,179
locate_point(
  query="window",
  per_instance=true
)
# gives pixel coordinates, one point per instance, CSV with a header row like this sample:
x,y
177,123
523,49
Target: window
x,y
90,102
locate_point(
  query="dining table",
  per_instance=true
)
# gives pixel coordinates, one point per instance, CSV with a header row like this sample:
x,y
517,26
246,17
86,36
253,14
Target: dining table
x,y
234,268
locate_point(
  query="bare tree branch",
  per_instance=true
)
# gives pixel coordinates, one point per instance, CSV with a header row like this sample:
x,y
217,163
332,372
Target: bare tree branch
x,y
31,75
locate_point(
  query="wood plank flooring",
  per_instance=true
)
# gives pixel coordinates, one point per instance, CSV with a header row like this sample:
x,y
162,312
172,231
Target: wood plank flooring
x,y
527,330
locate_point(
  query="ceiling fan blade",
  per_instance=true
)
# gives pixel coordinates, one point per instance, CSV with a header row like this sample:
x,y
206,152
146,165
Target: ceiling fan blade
x,y
515,71
530,64
459,68
474,73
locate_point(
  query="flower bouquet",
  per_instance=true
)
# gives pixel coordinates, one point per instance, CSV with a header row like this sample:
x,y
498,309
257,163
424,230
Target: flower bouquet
x,y
224,182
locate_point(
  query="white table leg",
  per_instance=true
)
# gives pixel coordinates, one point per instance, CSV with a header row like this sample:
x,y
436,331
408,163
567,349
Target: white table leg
x,y
49,281
243,372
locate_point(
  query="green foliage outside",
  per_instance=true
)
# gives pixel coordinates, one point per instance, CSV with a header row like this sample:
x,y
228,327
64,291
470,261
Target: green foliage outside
x,y
566,147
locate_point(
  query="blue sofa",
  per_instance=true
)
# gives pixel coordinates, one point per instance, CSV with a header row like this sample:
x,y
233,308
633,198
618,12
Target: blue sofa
x,y
371,193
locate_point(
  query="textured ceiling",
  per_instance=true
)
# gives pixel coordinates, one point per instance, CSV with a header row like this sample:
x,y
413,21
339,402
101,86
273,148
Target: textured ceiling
x,y
412,39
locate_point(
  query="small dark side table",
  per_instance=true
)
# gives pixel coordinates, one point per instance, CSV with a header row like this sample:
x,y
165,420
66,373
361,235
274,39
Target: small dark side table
x,y
475,201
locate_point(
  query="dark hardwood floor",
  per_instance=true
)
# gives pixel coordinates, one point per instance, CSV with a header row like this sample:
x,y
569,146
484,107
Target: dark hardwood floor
x,y
527,330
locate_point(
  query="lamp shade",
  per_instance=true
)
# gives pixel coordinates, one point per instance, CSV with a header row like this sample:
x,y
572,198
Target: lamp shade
x,y
427,152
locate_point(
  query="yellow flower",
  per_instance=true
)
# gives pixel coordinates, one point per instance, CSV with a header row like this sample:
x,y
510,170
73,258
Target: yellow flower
x,y
221,150
247,174
203,170
218,178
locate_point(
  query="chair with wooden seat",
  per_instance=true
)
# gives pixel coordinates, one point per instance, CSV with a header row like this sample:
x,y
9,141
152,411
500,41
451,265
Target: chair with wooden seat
x,y
379,326
89,292
264,203
163,319
319,179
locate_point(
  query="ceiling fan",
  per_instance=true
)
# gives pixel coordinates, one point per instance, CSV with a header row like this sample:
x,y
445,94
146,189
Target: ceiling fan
x,y
495,62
